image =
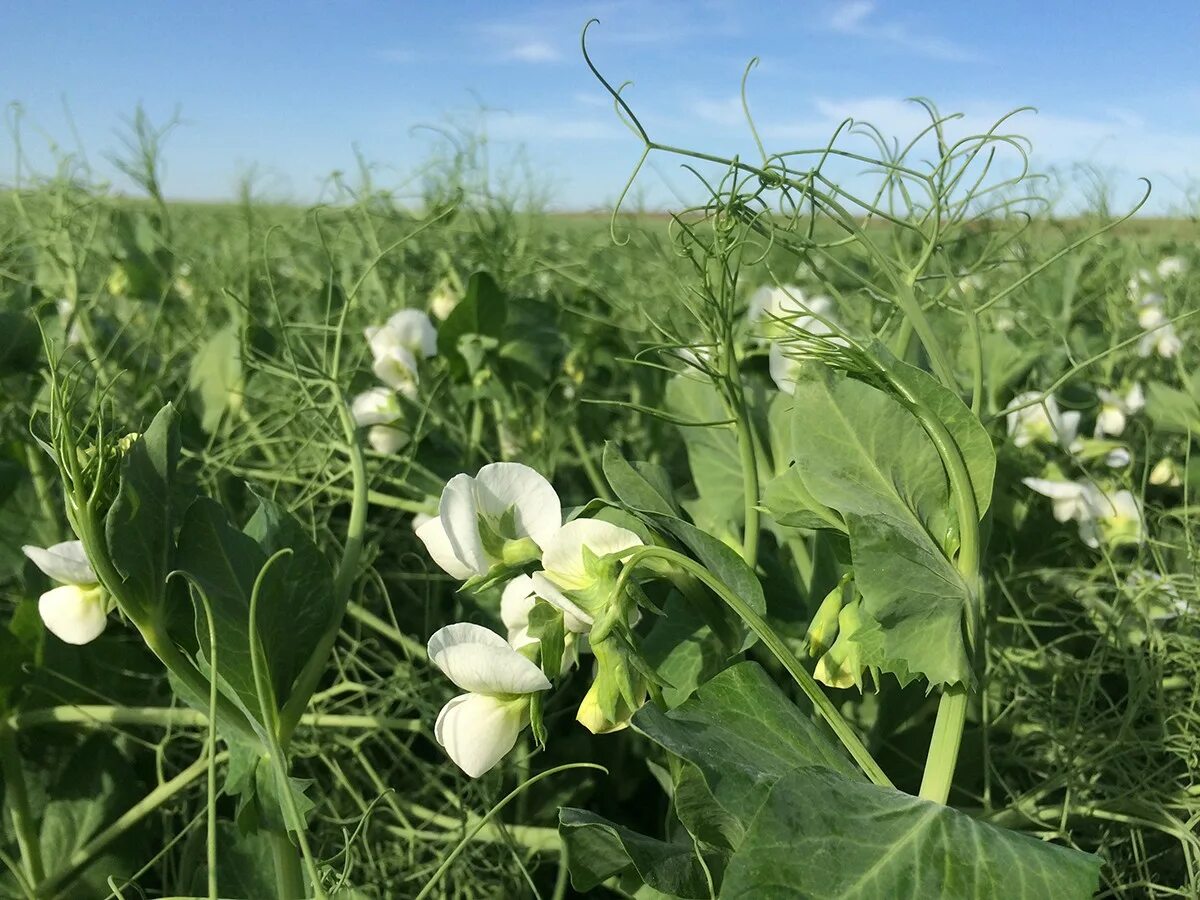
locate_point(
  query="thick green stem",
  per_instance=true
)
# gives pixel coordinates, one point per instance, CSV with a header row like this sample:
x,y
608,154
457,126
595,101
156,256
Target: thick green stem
x,y
289,878
823,705
952,707
748,459
18,805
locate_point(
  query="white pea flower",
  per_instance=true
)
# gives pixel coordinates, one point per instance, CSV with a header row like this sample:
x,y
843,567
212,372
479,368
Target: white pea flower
x,y
790,304
1118,458
783,368
76,612
377,410
1137,283
517,601
443,300
1170,267
1115,409
1165,473
504,514
1114,518
479,727
1163,340
574,563
1041,421
398,344
1071,499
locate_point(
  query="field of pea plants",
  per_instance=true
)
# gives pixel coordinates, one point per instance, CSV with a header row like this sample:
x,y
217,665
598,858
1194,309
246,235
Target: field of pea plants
x,y
812,541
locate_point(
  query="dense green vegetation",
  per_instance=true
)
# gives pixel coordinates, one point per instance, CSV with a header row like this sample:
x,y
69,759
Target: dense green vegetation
x,y
930,451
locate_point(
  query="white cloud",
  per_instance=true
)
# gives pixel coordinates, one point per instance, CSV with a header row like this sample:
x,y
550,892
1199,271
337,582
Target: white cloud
x,y
533,51
858,19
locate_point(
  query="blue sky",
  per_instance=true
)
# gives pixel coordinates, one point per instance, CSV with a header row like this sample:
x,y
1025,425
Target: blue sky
x,y
293,87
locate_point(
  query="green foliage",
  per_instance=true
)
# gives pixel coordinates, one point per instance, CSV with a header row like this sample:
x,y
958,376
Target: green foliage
x,y
862,453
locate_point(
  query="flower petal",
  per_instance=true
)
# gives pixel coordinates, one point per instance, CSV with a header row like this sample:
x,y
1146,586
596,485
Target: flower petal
x,y
537,509
516,602
73,614
575,619
387,440
397,368
479,660
414,332
66,562
459,514
377,406
782,368
562,556
437,543
478,731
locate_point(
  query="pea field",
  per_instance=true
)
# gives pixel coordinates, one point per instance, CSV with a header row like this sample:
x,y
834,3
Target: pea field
x,y
828,537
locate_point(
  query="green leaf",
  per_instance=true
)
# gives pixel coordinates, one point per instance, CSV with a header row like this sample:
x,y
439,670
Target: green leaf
x,y
797,819
682,649
224,563
862,453
727,565
1171,409
245,867
482,311
742,734
641,486
787,500
296,600
968,432
95,787
712,451
599,849
140,522
215,377
20,646
297,603
819,834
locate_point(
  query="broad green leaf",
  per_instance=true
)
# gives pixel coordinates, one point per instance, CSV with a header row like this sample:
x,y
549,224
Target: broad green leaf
x,y
712,451
297,603
215,378
1171,409
224,563
788,501
819,834
599,849
641,486
96,786
682,649
862,453
727,565
968,432
140,522
482,312
20,646
245,867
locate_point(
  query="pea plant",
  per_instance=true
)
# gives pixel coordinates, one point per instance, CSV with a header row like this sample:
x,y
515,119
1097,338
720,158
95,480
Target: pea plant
x,y
753,545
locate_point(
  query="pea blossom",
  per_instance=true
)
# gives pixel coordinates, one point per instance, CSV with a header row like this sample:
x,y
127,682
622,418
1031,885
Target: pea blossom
x,y
1041,420
578,573
378,410
477,728
398,345
1115,410
77,611
1112,517
501,515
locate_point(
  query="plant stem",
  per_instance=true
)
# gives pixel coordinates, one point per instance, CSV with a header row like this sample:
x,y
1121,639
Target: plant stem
x,y
823,705
747,457
589,465
18,804
361,614
314,667
289,879
181,717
